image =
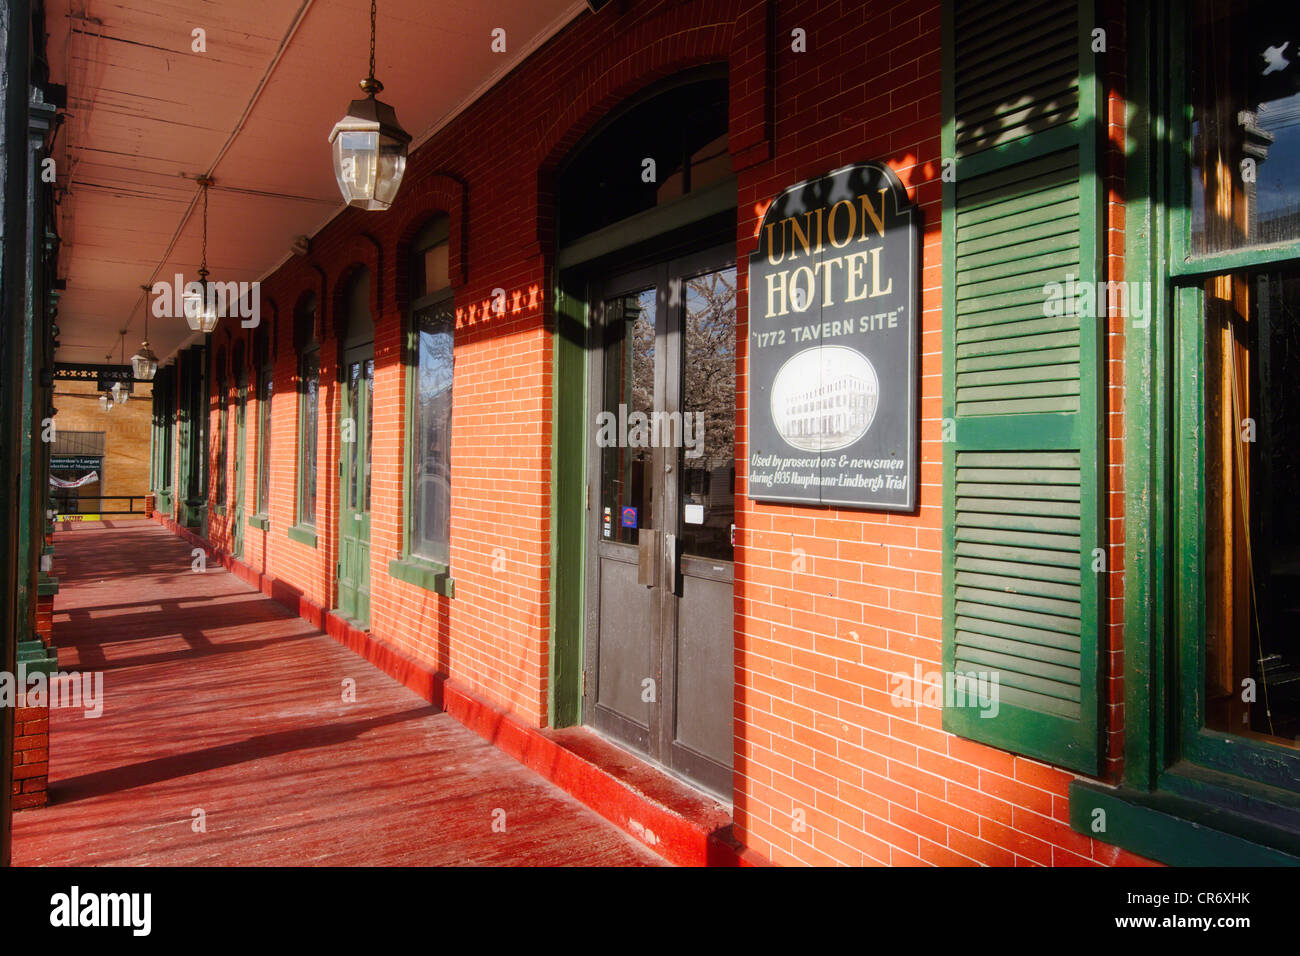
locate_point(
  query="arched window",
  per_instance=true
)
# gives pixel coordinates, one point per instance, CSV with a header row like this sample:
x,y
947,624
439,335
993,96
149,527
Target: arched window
x,y
308,349
220,377
262,360
430,335
664,145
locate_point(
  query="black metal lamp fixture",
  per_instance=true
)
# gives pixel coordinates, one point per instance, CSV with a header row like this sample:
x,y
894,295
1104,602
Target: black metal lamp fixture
x,y
144,364
105,398
201,307
122,393
369,145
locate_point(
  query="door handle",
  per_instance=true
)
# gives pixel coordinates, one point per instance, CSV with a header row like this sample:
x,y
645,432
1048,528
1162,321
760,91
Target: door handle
x,y
647,557
671,564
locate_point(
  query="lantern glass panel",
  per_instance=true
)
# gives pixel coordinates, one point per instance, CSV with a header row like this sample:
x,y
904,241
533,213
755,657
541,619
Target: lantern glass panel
x,y
355,164
392,164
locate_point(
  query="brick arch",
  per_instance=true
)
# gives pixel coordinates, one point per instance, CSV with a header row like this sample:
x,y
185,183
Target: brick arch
x,y
268,329
313,281
361,251
433,194
239,352
298,301
737,33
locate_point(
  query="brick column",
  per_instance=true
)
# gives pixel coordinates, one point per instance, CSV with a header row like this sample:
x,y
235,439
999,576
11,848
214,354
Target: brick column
x,y
31,757
32,720
45,618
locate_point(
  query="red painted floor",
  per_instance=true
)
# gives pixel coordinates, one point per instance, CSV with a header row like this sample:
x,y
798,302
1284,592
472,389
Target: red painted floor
x,y
217,699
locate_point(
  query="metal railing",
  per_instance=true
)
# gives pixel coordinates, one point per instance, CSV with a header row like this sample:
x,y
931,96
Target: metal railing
x,y
69,505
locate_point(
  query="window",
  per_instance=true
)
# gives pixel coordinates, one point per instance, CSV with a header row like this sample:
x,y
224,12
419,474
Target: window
x,y
431,360
1211,762
222,443
308,408
264,389
683,130
1238,324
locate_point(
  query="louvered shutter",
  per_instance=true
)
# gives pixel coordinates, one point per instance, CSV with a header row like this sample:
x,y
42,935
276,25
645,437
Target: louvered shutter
x,y
1022,387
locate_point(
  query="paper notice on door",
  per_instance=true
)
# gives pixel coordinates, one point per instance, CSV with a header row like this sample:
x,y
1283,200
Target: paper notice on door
x,y
694,514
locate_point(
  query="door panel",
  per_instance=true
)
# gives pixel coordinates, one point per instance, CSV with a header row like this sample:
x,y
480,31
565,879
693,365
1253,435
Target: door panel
x,y
706,484
626,610
703,731
660,618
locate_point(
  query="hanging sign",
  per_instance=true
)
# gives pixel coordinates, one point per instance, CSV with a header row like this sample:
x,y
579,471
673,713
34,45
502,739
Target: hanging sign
x,y
833,333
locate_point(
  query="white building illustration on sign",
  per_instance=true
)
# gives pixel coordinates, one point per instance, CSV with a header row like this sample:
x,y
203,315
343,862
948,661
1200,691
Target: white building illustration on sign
x,y
825,398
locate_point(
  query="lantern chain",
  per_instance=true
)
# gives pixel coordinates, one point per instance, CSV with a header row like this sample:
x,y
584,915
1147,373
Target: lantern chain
x,y
205,227
372,39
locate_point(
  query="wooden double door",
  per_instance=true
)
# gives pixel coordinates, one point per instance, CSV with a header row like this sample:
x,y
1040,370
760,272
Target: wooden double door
x,y
659,667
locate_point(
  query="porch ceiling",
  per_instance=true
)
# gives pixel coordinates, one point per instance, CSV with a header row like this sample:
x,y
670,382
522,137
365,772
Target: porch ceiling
x,y
146,116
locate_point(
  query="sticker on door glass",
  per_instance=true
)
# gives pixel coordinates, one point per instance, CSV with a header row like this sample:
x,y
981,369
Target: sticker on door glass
x,y
694,514
629,518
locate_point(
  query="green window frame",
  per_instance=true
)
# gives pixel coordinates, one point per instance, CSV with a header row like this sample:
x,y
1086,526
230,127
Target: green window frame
x,y
306,452
1023,489
429,349
1189,796
222,436
265,396
308,434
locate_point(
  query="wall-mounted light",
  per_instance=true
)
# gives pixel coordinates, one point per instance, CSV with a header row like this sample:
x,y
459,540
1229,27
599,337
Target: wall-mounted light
x,y
369,145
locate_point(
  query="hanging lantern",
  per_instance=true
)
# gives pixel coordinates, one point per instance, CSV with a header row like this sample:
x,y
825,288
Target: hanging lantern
x,y
369,145
201,304
144,364
121,393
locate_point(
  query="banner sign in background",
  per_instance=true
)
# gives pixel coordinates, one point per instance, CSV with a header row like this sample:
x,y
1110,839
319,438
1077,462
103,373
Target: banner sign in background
x,y
833,332
75,462
74,483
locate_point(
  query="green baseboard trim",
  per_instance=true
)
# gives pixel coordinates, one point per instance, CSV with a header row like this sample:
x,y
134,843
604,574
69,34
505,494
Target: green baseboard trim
x,y
47,586
1176,830
33,656
260,522
424,574
194,512
303,534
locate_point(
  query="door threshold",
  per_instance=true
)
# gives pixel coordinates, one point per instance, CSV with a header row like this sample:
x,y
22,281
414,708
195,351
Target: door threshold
x,y
668,772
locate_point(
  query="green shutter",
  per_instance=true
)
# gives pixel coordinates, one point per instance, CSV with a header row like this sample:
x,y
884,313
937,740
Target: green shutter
x,y
1023,451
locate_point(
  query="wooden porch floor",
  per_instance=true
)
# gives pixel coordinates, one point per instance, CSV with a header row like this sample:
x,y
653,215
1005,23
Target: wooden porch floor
x,y
217,699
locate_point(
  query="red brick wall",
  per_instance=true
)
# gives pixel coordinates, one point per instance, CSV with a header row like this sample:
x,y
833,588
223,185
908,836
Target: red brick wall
x,y
829,603
31,757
